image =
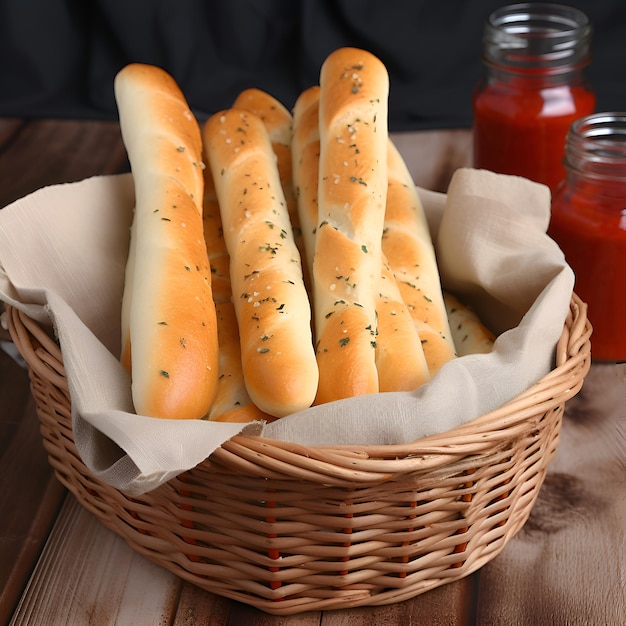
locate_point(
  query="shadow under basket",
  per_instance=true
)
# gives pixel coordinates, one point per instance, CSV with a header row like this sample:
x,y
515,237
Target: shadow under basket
x,y
289,528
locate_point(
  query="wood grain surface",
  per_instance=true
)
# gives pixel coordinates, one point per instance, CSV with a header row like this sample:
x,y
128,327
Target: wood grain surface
x,y
59,565
566,566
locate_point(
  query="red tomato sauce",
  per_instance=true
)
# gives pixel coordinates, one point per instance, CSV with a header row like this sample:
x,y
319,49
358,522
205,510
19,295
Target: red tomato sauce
x,y
590,228
520,127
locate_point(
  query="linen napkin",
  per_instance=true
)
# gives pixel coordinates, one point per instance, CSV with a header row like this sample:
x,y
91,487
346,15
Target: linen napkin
x,y
63,251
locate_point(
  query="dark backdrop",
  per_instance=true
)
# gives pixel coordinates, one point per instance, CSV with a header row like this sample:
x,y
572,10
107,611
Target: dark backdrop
x,y
58,58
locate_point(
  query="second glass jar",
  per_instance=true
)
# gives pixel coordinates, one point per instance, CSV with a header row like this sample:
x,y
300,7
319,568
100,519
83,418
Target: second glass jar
x,y
589,223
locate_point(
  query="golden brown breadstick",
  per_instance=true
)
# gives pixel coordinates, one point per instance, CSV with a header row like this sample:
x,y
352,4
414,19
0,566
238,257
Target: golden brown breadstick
x,y
470,335
232,401
279,123
169,319
354,87
270,298
305,149
400,358
408,246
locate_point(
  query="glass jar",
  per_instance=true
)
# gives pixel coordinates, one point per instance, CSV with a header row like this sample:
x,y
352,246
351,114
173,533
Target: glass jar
x,y
589,223
534,89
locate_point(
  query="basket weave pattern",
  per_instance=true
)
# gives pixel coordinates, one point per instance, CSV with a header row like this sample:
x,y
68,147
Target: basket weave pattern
x,y
290,528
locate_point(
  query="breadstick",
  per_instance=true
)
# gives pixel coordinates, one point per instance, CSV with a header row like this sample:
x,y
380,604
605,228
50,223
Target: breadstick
x,y
214,239
305,151
408,246
168,310
276,117
400,358
270,298
232,402
470,335
354,88
279,124
125,357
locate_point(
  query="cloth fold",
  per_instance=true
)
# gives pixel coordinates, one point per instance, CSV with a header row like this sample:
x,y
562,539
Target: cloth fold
x,y
63,251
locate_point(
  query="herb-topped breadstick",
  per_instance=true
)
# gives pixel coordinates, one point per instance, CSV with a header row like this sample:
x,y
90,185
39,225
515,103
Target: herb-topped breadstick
x,y
270,298
354,88
232,402
169,321
278,121
400,359
470,335
305,152
409,249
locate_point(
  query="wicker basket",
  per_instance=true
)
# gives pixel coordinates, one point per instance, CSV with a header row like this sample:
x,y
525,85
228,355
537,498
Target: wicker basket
x,y
288,528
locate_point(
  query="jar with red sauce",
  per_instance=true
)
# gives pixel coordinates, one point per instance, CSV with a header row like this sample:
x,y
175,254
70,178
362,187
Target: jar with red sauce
x,y
588,222
534,54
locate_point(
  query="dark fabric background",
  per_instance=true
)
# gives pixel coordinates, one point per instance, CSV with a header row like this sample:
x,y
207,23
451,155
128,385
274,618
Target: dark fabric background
x,y
58,58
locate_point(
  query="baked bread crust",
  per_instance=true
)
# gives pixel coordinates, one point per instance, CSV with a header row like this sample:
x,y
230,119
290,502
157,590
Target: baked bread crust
x,y
354,89
270,298
409,249
168,315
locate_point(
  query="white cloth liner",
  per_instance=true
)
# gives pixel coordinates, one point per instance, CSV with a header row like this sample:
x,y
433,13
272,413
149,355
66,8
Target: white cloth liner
x,y
62,256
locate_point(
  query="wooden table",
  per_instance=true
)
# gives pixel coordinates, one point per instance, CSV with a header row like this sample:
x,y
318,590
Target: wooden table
x,y
58,565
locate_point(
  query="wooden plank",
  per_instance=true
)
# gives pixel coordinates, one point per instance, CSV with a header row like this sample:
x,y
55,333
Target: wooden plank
x,y
47,152
196,606
243,614
89,575
30,495
566,566
448,605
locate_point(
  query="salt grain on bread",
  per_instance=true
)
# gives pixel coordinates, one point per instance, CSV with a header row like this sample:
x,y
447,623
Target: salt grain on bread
x,y
270,298
169,335
354,88
409,249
